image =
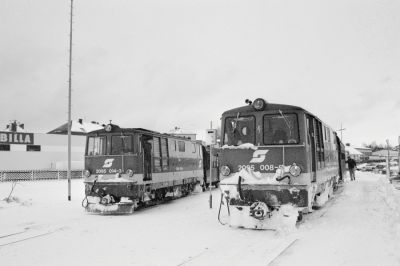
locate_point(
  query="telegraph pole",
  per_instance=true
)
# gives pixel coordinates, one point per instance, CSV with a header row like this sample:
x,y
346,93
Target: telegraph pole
x,y
211,166
69,103
398,155
388,160
341,132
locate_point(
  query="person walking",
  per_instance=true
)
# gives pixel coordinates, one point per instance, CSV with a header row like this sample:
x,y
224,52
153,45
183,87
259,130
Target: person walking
x,y
352,167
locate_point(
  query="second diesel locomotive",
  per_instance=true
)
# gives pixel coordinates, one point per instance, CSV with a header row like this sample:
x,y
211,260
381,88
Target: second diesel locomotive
x,y
276,161
126,168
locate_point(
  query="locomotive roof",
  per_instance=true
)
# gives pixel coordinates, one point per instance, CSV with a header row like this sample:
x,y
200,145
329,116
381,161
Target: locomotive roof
x,y
117,129
269,107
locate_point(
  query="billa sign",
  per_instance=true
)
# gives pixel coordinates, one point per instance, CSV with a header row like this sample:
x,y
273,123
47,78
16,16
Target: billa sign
x,y
16,138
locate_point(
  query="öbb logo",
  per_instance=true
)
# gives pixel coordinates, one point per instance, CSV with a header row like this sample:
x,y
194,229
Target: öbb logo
x,y
259,156
108,163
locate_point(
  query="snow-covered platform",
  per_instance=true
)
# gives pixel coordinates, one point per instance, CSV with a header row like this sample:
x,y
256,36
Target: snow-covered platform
x,y
360,226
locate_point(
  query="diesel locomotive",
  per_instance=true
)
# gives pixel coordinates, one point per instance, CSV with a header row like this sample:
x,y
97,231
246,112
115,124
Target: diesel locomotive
x,y
277,161
126,168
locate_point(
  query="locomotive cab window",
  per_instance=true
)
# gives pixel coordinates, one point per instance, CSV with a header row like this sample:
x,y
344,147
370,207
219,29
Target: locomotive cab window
x,y
281,129
96,146
121,145
239,130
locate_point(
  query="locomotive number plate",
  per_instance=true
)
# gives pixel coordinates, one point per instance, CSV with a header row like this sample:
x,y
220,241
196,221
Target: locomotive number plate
x,y
261,167
108,171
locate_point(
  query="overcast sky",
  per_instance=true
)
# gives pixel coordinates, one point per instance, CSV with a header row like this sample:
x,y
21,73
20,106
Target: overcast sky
x,y
158,64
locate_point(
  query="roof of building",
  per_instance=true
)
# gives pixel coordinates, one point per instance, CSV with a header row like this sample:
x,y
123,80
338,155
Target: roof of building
x,y
352,151
385,153
78,128
363,148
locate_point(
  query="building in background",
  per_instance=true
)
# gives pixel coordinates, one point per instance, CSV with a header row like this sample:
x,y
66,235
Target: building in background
x,y
21,150
177,131
79,127
366,152
352,152
381,155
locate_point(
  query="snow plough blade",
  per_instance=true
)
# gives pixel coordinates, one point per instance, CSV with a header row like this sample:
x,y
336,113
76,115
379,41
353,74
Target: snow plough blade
x,y
110,209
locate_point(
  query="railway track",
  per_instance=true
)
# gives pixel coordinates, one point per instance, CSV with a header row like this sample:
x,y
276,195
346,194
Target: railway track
x,y
26,234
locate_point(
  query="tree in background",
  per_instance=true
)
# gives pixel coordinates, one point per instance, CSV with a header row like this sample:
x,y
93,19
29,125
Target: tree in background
x,y
376,147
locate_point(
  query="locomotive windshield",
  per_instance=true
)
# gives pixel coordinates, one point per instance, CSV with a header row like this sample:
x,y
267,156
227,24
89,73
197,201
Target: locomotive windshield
x,y
239,130
121,145
96,146
281,129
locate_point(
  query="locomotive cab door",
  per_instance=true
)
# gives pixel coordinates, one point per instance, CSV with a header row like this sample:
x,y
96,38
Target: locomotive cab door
x,y
147,151
311,139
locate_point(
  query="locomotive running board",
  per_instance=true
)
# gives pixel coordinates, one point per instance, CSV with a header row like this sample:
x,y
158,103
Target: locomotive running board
x,y
111,209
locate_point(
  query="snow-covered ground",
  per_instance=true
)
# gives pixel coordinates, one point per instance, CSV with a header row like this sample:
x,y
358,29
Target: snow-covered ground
x,y
359,226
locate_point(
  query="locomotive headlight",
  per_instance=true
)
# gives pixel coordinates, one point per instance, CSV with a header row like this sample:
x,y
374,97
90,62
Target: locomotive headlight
x,y
86,173
295,170
129,172
225,171
108,128
259,104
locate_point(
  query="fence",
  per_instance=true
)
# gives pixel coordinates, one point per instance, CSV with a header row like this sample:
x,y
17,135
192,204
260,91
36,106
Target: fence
x,y
32,175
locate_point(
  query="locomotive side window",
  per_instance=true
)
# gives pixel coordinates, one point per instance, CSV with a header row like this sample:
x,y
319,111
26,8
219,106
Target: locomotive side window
x,y
281,129
121,145
319,144
164,153
181,146
194,148
96,146
157,154
239,130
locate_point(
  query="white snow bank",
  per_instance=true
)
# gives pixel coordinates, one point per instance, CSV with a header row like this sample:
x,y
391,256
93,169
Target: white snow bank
x,y
242,146
324,196
391,197
250,177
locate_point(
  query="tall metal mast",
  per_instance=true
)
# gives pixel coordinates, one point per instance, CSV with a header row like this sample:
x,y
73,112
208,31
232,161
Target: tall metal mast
x,y
341,131
69,104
